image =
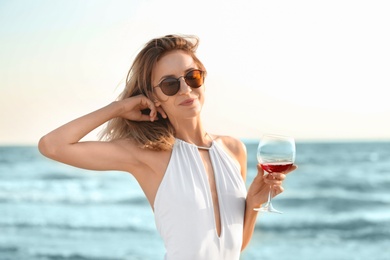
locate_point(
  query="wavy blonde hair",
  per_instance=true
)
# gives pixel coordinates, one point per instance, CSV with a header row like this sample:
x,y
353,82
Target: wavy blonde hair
x,y
160,134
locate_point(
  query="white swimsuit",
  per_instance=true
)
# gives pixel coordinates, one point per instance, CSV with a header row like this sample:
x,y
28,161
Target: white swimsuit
x,y
183,207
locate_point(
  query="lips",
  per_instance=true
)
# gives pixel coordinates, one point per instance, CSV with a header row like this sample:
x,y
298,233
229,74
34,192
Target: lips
x,y
187,102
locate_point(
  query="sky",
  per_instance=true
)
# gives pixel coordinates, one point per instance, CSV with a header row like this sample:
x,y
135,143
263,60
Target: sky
x,y
315,70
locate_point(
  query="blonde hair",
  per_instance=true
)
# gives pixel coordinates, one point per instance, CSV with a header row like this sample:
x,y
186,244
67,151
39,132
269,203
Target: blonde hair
x,y
160,134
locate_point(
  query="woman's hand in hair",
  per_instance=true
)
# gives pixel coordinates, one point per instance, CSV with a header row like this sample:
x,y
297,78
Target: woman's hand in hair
x,y
140,108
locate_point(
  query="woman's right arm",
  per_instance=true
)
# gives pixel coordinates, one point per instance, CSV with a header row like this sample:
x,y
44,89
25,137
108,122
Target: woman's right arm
x,y
63,144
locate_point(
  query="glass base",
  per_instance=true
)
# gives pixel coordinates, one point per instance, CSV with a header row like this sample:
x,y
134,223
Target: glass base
x,y
268,208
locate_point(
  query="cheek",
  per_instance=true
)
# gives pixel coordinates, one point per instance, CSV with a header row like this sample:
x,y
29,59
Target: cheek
x,y
167,105
201,94
159,97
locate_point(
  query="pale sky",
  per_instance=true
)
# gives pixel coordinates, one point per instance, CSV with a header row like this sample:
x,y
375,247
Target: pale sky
x,y
316,70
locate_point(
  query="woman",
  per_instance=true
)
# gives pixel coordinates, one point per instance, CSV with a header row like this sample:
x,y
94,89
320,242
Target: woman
x,y
193,180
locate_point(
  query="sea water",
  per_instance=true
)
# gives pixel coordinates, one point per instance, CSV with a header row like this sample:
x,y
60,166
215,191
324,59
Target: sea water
x,y
336,206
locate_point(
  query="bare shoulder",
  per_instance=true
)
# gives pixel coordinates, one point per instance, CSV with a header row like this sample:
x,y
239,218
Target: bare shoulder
x,y
236,149
233,145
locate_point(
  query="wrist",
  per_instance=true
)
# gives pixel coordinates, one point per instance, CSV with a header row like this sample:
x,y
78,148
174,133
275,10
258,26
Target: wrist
x,y
250,206
252,203
117,108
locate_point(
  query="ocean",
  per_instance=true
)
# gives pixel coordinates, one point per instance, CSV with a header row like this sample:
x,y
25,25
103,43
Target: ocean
x,y
336,206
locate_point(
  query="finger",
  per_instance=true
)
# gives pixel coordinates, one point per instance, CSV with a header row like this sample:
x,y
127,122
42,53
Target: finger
x,y
273,182
144,118
147,103
153,115
162,112
260,170
292,168
258,180
276,190
275,176
278,176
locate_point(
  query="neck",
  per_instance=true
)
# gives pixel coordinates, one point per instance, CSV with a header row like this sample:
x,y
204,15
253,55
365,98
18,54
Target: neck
x,y
201,140
195,134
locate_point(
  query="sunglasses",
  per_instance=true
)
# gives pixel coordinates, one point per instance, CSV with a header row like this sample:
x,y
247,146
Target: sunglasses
x,y
170,86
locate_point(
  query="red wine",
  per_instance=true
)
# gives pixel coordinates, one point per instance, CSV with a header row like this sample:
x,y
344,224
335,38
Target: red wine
x,y
276,167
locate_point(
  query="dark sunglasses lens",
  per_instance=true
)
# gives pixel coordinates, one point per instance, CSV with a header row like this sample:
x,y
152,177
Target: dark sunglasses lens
x,y
170,86
194,78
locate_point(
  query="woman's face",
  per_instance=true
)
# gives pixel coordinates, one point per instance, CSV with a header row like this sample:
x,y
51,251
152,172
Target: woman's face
x,y
187,102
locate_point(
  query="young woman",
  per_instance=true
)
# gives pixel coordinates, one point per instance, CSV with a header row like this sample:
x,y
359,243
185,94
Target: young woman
x,y
193,180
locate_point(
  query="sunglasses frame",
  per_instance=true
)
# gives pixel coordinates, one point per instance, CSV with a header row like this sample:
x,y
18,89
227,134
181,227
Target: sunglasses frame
x,y
202,74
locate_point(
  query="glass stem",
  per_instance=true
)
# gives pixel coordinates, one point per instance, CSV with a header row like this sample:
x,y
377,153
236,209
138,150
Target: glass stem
x,y
269,195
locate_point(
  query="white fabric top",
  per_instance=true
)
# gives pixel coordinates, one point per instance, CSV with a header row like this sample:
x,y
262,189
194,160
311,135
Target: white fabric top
x,y
183,207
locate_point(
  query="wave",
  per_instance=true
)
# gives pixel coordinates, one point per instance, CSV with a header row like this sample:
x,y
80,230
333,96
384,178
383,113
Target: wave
x,y
60,177
370,185
9,253
334,203
88,199
68,191
8,249
56,256
134,228
358,229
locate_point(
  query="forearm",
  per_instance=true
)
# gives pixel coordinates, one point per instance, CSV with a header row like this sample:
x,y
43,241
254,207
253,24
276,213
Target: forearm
x,y
257,195
249,224
75,130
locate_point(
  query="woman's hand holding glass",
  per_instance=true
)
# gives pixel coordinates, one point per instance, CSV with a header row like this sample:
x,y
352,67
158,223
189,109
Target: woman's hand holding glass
x,y
276,155
258,192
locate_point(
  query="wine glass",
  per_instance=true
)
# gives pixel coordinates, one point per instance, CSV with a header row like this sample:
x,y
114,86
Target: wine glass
x,y
275,153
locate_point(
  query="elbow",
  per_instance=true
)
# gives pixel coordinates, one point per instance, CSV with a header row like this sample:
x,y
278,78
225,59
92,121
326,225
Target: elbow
x,y
243,246
47,147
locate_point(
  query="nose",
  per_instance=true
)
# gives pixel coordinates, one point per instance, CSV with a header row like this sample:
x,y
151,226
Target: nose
x,y
184,87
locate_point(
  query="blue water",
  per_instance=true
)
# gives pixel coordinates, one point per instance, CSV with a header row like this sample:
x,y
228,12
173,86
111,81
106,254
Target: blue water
x,y
336,206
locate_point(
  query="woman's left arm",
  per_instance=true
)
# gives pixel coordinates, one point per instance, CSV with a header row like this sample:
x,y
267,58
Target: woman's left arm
x,y
257,195
258,191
